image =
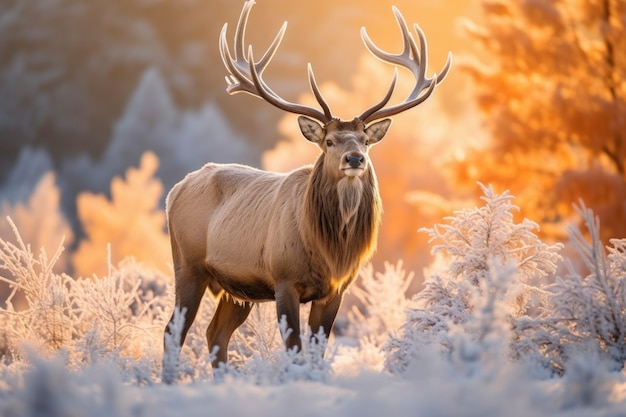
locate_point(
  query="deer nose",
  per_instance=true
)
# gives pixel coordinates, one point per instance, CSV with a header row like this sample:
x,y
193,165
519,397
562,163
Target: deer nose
x,y
355,161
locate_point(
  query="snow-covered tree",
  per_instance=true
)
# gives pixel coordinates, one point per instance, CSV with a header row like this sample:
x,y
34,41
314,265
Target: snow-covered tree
x,y
383,301
68,66
39,218
586,309
183,140
47,314
481,250
119,315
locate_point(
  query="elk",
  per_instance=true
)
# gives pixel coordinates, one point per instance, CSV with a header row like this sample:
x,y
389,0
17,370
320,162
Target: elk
x,y
251,236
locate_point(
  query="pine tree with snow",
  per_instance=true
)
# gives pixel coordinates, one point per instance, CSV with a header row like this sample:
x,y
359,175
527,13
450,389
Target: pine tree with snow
x,y
586,309
482,249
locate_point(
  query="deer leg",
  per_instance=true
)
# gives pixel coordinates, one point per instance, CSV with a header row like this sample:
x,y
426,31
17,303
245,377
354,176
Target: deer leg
x,y
323,315
229,315
191,284
288,305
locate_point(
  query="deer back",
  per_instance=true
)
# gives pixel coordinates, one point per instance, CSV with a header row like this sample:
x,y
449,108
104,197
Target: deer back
x,y
229,216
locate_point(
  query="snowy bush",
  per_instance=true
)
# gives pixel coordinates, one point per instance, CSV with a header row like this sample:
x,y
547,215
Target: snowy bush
x,y
381,309
586,309
280,366
116,316
481,250
383,301
48,321
38,215
171,356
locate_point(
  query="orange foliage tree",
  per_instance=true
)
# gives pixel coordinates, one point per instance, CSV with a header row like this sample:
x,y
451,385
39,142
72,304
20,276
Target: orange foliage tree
x,y
131,222
554,98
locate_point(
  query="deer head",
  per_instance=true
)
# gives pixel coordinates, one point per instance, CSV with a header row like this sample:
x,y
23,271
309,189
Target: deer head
x,y
344,144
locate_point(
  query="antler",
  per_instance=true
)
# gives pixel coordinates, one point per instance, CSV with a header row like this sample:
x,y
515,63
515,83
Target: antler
x,y
246,74
412,58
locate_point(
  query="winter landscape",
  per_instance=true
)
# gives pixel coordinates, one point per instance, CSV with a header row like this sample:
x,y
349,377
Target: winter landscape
x,y
466,344
499,284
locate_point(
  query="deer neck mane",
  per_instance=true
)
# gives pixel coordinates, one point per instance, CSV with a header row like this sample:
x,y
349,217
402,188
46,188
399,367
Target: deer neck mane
x,y
341,219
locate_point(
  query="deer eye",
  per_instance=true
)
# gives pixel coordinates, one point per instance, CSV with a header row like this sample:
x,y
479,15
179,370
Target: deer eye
x,y
329,143
367,142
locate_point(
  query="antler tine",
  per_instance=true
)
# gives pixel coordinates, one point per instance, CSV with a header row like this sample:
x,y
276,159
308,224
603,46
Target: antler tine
x,y
240,42
242,23
265,92
367,113
238,67
407,40
245,75
318,95
446,68
413,58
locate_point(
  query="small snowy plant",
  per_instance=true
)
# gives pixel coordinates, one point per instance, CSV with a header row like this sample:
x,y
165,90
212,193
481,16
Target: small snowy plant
x,y
45,314
490,263
284,366
381,310
115,316
258,351
171,357
384,302
586,310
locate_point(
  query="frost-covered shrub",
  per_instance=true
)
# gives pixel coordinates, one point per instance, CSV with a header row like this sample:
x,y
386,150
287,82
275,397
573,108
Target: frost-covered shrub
x,y
280,366
383,301
482,249
259,337
38,217
586,309
48,319
381,310
117,308
171,356
88,319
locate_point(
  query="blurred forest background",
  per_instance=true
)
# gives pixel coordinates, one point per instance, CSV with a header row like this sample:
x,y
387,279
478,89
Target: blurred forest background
x,y
105,105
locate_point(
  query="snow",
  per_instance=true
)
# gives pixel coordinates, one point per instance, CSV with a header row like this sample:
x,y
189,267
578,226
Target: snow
x,y
429,390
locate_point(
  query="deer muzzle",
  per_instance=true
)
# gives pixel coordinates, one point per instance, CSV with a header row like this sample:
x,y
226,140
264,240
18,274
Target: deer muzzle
x,y
354,164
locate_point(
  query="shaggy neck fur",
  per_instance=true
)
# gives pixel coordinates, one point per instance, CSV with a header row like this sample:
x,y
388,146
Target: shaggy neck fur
x,y
342,219
350,192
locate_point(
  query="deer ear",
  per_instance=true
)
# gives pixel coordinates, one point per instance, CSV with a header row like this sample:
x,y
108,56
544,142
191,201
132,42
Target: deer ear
x,y
311,130
377,131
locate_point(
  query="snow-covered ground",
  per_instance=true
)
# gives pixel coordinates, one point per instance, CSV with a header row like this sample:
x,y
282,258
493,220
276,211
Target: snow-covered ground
x,y
430,389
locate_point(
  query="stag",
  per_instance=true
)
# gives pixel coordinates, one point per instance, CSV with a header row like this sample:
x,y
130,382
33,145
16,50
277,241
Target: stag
x,y
251,236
